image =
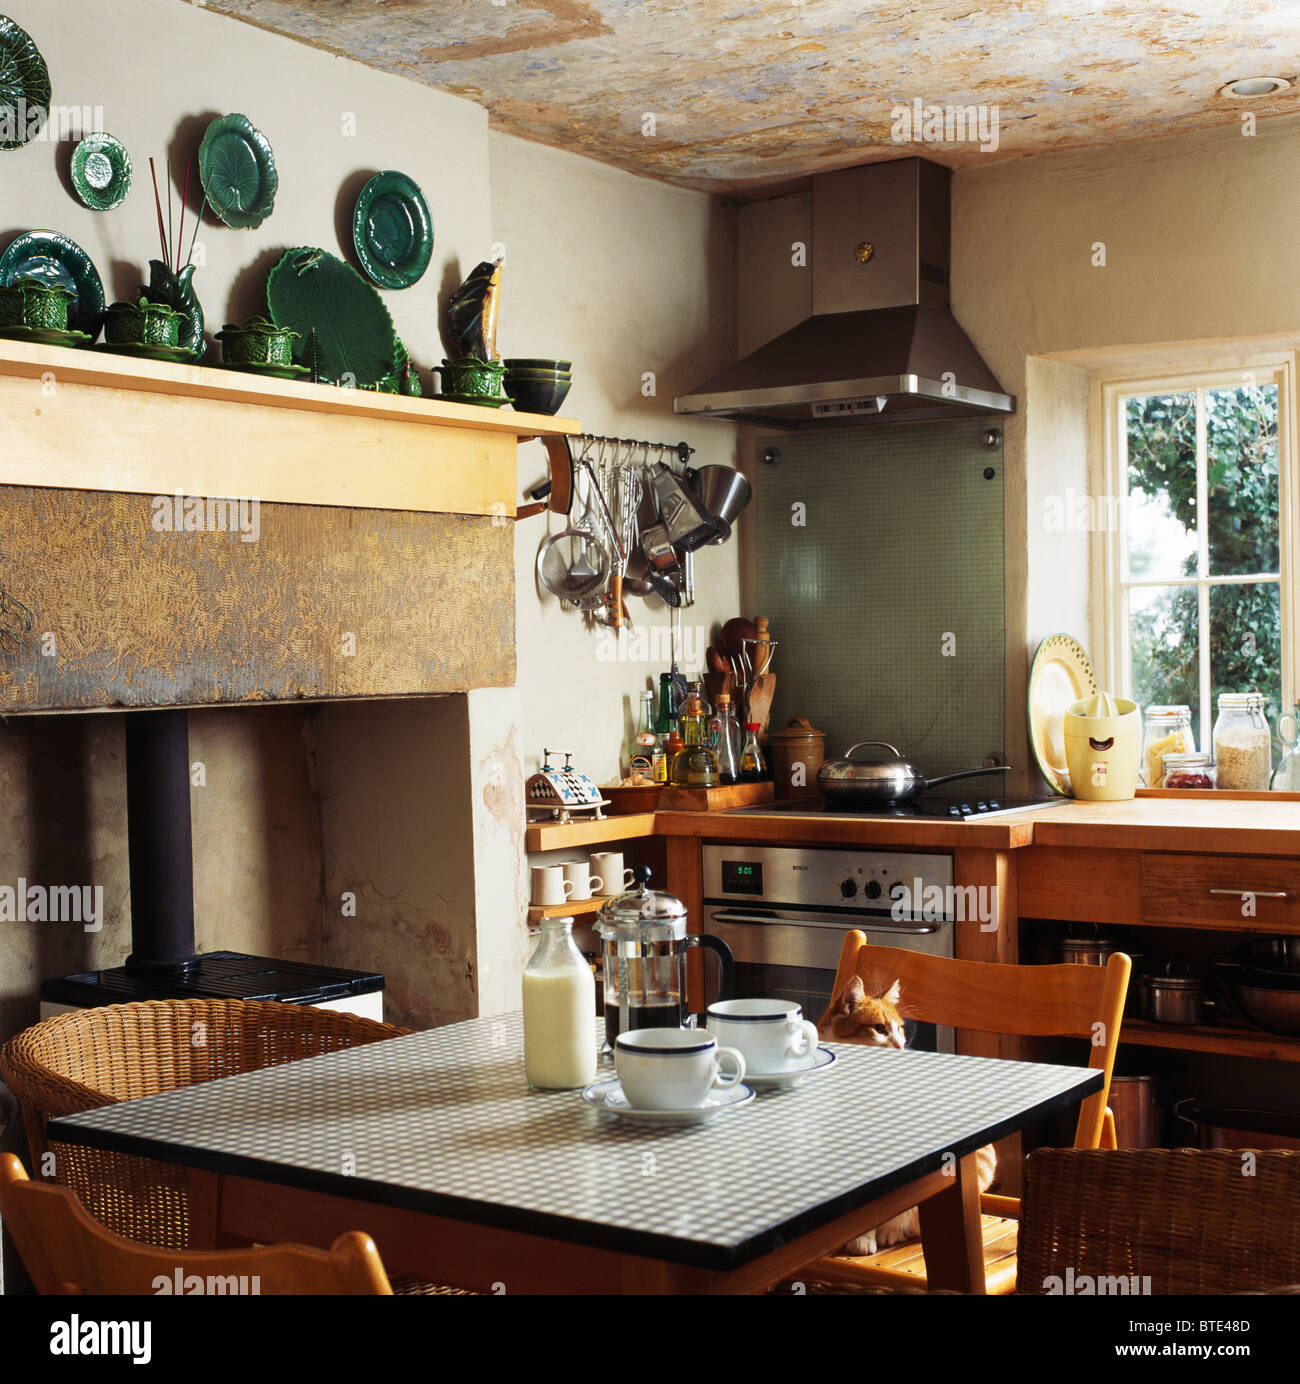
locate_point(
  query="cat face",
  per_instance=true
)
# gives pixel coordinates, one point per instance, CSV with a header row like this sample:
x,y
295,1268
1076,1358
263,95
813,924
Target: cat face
x,y
854,1016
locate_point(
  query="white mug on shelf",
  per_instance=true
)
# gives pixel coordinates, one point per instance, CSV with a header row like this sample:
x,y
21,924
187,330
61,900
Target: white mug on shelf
x,y
578,874
614,879
550,886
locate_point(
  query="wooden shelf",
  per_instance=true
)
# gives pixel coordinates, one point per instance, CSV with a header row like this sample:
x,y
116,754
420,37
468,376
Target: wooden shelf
x,y
556,836
1230,1040
575,908
92,420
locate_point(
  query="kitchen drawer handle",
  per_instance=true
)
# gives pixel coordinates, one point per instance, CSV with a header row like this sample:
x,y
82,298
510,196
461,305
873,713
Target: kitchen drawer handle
x,y
865,924
1254,893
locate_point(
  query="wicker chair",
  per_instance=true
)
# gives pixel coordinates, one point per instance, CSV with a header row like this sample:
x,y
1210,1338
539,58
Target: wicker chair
x,y
92,1057
1189,1220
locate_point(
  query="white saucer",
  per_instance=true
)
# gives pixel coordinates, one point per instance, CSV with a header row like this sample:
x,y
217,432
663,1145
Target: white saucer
x,y
608,1096
825,1059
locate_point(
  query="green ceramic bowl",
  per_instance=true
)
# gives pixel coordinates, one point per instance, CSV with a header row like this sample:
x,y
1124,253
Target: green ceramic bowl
x,y
532,363
470,376
257,342
31,302
541,376
537,396
142,324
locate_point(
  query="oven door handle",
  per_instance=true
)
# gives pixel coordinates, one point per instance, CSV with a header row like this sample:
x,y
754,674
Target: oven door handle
x,y
728,915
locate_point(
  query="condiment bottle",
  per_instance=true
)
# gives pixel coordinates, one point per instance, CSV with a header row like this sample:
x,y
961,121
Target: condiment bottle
x,y
559,1012
753,767
673,746
641,755
726,740
695,765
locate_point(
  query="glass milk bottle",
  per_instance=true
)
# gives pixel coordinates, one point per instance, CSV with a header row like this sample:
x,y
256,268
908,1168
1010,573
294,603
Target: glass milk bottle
x,y
559,1012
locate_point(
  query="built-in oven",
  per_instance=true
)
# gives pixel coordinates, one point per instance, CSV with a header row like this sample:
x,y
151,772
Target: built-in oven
x,y
784,910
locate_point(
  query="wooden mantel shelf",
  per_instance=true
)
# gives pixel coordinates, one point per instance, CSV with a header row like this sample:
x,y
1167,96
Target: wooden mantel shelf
x,y
93,420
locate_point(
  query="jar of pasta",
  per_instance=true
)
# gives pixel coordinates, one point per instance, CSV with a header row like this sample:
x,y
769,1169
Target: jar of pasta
x,y
1165,730
1243,745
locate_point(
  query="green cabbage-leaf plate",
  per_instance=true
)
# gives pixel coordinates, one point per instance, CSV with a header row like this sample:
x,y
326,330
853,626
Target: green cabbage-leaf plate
x,y
101,172
237,170
24,86
345,335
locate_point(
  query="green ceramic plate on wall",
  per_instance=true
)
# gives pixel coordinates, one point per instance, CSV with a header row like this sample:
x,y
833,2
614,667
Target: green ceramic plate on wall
x,y
237,170
101,172
24,86
392,230
53,257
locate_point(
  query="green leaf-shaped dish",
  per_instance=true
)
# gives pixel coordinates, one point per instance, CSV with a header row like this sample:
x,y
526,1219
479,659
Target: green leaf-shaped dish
x,y
237,170
101,172
24,86
345,334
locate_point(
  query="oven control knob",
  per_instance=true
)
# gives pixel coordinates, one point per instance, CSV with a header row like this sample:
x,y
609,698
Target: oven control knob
x,y
848,889
872,889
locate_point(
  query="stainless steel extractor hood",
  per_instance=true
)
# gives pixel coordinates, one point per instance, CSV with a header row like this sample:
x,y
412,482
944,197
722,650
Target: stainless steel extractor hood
x,y
881,344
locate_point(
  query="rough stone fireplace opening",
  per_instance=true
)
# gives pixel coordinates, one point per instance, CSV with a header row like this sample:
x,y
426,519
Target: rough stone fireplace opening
x,y
376,835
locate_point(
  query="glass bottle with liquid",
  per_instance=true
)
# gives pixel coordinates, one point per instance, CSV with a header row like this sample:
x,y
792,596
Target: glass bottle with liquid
x,y
725,738
753,767
665,721
641,752
559,1012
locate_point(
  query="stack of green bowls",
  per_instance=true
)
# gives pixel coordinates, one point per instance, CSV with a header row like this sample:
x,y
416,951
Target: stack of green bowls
x,y
538,386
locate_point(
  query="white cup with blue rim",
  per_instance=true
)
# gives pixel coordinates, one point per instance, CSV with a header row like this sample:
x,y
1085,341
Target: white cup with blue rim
x,y
673,1068
772,1035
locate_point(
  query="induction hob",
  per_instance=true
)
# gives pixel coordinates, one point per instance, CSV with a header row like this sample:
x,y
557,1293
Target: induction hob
x,y
930,807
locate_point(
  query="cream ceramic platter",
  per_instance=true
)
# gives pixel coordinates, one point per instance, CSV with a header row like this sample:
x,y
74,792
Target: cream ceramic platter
x,y
1061,673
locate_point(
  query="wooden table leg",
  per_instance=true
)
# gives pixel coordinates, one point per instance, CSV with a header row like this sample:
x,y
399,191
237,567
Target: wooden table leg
x,y
950,1232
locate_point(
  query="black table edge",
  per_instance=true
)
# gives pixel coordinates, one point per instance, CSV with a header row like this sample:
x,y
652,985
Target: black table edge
x,y
646,1244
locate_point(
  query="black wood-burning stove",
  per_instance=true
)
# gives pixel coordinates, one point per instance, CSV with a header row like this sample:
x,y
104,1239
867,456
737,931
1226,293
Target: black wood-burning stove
x,y
163,963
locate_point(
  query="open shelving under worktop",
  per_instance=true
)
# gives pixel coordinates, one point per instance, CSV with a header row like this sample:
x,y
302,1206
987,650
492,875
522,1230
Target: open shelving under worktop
x,y
89,419
1227,1040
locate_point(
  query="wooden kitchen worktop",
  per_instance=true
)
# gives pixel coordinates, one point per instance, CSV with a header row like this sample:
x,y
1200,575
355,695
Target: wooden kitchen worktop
x,y
1223,823
1230,825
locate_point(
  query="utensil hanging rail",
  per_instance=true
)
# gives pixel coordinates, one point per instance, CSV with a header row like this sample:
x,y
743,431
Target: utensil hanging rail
x,y
565,451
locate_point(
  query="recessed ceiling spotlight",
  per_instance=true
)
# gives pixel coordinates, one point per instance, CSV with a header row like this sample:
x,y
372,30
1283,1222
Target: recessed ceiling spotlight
x,y
1244,88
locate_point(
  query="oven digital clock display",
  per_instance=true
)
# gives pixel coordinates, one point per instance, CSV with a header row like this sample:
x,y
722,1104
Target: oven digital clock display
x,y
742,877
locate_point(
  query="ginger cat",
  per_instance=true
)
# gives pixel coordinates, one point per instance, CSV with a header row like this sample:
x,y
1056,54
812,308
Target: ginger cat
x,y
854,1016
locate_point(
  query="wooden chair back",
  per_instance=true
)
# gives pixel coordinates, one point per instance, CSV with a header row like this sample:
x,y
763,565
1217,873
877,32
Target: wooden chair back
x,y
1066,1001
65,1251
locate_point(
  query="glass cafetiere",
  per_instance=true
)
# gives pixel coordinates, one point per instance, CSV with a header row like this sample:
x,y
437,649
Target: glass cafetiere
x,y
644,945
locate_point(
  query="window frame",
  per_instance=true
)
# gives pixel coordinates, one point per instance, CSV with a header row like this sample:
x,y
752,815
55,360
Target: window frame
x,y
1108,482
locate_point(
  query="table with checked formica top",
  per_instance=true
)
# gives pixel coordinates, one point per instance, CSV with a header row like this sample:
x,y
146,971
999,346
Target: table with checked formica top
x,y
434,1144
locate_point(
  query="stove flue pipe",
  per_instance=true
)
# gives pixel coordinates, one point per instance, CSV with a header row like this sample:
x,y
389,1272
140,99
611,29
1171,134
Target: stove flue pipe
x,y
159,843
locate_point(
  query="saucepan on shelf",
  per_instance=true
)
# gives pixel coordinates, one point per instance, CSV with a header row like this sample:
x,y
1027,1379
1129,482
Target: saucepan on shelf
x,y
883,780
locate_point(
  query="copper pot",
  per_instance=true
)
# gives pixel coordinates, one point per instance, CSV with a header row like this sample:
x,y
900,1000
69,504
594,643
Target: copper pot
x,y
796,744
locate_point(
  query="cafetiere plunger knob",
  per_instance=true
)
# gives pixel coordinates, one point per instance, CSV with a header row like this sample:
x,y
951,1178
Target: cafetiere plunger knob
x,y
641,875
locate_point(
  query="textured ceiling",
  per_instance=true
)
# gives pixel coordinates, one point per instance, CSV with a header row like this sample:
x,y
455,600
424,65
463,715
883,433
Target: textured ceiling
x,y
746,93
